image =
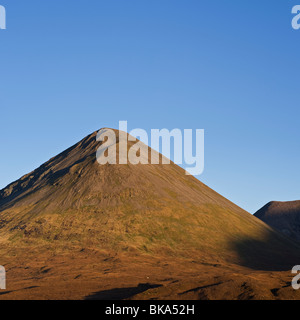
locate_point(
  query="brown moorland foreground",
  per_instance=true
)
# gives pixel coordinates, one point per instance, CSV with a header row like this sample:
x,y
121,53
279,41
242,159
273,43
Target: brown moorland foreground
x,y
73,229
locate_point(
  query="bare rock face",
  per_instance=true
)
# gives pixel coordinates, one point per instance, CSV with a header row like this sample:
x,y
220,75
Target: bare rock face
x,y
283,216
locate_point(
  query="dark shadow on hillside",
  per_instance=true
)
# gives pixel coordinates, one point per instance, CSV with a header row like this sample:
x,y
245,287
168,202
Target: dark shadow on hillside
x,y
2,293
274,253
121,293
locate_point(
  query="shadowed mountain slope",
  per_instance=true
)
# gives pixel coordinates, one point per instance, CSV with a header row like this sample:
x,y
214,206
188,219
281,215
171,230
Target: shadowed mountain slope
x,y
283,216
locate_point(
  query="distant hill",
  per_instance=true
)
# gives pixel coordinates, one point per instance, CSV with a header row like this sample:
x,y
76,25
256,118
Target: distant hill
x,y
283,216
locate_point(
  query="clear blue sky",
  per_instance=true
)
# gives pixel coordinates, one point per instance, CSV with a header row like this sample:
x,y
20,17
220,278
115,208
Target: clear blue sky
x,y
231,67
